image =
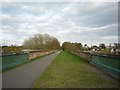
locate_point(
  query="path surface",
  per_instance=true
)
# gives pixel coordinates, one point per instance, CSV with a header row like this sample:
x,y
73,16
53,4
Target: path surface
x,y
25,76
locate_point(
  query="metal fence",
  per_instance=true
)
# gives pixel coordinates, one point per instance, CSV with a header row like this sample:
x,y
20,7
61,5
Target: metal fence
x,y
109,63
11,61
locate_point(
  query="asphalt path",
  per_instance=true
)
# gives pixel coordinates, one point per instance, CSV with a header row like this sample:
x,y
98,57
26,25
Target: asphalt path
x,y
25,75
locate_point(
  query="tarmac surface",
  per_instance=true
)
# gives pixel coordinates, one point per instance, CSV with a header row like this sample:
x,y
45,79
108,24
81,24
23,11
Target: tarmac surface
x,y
25,75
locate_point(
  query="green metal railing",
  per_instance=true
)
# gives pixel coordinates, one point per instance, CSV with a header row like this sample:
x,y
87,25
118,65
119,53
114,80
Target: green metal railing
x,y
109,63
11,61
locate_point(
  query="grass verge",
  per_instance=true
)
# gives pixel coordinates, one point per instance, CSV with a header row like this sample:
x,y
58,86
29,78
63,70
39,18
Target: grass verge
x,y
70,71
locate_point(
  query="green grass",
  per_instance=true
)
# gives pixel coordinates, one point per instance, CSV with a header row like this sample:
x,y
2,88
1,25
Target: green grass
x,y
69,71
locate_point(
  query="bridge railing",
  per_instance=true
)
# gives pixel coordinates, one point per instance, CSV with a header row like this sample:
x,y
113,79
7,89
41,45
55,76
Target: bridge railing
x,y
107,62
11,61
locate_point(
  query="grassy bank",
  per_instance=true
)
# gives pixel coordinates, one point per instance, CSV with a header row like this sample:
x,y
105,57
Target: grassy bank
x,y
69,71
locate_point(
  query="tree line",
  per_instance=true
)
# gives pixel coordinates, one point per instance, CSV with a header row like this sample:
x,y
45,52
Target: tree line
x,y
46,42
68,46
11,49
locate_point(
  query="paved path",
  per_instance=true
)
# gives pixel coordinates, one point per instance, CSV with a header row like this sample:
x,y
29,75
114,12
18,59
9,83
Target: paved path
x,y
25,76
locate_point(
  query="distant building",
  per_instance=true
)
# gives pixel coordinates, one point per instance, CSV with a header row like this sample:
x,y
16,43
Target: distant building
x,y
95,48
114,48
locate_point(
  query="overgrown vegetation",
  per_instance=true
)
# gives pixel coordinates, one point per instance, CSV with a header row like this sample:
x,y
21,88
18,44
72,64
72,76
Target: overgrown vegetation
x,y
69,71
67,46
11,49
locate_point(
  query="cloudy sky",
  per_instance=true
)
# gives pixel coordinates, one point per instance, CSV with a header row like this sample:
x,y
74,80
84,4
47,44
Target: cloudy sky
x,y
85,22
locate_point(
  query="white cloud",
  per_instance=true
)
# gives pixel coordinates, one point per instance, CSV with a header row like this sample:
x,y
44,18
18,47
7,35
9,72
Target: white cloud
x,y
77,22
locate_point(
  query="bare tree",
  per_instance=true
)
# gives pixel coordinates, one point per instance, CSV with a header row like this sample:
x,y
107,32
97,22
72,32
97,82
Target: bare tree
x,y
42,42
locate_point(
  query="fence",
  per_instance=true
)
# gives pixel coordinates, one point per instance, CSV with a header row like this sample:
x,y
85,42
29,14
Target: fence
x,y
108,63
11,61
